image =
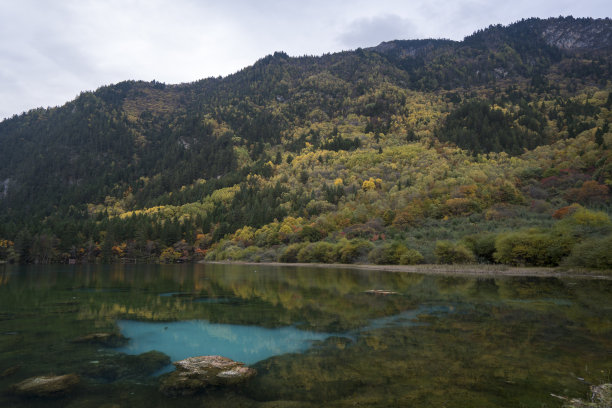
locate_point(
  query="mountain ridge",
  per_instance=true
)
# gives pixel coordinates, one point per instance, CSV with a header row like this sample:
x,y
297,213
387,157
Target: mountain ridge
x,y
566,33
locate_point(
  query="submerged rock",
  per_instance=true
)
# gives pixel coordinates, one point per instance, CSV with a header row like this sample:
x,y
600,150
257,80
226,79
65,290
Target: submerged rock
x,y
52,386
10,371
602,394
601,397
115,366
103,339
194,374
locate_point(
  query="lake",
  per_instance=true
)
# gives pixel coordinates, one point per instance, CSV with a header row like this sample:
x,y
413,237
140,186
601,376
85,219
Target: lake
x,y
316,336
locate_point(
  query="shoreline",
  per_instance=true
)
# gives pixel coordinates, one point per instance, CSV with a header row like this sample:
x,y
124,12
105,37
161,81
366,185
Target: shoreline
x,y
454,270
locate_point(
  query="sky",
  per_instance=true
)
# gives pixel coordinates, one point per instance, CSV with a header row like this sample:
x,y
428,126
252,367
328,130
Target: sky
x,y
52,50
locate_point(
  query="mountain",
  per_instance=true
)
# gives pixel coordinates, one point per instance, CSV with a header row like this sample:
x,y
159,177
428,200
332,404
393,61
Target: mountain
x,y
365,155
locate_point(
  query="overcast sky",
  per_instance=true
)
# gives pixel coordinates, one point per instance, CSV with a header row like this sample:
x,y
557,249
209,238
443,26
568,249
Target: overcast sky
x,y
51,50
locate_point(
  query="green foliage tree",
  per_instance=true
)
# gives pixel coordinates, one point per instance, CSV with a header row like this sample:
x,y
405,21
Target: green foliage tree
x,y
482,246
411,257
481,128
592,253
321,252
447,252
393,253
290,254
354,250
532,248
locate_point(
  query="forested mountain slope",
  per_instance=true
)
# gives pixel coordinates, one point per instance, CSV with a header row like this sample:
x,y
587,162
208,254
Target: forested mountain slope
x,y
411,151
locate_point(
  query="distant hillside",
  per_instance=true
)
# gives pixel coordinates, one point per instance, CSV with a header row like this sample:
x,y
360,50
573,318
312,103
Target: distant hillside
x,y
390,148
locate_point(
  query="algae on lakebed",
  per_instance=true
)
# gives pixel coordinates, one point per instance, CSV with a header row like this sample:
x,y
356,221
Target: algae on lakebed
x,y
467,341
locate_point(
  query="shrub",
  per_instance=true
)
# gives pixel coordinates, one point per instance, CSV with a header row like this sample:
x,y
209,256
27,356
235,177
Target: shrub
x,y
233,252
311,234
500,212
461,206
411,215
585,222
251,253
592,253
169,255
267,235
566,211
388,254
316,207
411,257
532,247
353,250
290,253
540,206
482,246
7,251
450,253
323,252
365,230
590,192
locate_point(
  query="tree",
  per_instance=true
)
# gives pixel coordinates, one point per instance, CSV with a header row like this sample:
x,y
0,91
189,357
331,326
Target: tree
x,y
451,253
532,248
591,192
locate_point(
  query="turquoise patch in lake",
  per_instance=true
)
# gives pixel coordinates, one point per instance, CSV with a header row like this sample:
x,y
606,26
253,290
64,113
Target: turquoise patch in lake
x,y
248,344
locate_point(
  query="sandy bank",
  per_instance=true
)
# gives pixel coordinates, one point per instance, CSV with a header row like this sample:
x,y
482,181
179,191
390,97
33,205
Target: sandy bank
x,y
468,270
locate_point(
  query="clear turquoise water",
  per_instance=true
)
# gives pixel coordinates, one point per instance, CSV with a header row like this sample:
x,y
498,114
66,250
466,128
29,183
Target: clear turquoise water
x,y
248,344
317,337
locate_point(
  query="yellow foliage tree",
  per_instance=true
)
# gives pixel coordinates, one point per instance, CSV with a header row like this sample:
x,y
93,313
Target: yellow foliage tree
x,y
369,185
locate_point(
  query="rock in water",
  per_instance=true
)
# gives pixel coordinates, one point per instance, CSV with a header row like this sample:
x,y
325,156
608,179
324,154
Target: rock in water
x,y
602,395
194,374
55,386
10,371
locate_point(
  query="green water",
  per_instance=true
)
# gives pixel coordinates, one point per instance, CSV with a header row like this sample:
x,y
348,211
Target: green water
x,y
315,336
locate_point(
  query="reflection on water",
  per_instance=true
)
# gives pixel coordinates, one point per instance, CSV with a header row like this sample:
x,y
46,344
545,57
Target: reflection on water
x,y
317,337
407,318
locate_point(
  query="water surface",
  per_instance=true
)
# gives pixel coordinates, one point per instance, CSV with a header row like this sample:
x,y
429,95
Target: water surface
x,y
248,344
317,337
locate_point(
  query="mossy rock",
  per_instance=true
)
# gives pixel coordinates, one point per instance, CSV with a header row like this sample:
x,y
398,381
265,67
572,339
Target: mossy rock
x,y
46,386
194,374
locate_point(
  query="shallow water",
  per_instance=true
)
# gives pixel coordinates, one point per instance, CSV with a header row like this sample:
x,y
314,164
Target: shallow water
x,y
248,344
317,337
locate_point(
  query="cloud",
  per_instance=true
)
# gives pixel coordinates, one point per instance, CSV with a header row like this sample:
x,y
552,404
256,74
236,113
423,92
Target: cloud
x,y
50,51
365,32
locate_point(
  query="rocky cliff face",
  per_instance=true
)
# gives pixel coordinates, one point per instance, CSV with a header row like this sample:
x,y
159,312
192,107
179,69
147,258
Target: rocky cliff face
x,y
578,34
565,33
